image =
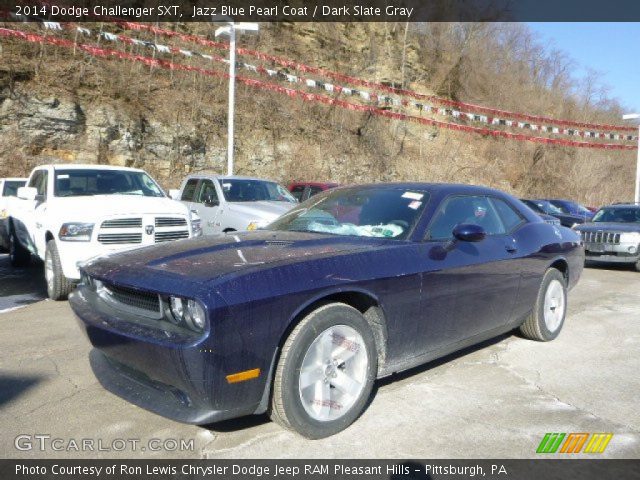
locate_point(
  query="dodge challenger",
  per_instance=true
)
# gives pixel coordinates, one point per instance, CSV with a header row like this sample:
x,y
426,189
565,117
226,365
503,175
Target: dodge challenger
x,y
300,318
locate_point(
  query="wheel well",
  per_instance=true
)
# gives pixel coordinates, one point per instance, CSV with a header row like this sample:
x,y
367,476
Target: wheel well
x,y
562,266
365,304
227,230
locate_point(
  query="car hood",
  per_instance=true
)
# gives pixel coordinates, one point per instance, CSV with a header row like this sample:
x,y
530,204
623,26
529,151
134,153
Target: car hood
x,y
263,210
609,226
211,257
114,205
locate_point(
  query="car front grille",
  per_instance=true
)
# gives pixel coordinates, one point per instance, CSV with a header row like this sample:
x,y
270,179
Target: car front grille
x,y
129,298
119,238
142,230
171,222
610,238
122,223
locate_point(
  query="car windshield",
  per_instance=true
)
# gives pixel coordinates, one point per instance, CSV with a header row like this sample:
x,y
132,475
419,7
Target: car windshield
x,y
571,208
359,211
11,187
246,190
618,214
547,207
81,182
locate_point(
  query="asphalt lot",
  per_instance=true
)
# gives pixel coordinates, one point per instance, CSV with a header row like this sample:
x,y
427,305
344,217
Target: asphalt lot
x,y
494,401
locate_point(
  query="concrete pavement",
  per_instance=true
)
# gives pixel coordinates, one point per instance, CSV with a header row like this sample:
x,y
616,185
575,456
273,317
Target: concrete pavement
x,y
493,401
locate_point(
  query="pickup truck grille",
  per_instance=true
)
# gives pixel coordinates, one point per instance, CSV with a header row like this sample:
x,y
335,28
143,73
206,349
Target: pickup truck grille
x,y
122,223
169,236
171,222
610,238
129,299
119,238
142,230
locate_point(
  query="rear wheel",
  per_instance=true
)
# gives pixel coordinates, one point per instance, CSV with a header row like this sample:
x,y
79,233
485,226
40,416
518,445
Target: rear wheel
x,y
325,373
58,286
547,318
18,255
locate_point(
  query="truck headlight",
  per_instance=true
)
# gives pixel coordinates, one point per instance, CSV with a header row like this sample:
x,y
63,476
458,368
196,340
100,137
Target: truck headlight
x,y
76,232
256,224
187,312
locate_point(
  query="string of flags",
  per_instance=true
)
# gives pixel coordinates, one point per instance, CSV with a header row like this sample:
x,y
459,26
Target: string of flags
x,y
380,100
156,62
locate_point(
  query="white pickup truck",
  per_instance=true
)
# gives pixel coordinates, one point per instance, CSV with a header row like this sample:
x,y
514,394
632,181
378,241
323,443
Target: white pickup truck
x,y
233,203
68,214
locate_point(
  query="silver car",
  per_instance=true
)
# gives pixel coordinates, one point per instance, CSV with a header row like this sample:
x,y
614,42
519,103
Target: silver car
x,y
234,203
613,235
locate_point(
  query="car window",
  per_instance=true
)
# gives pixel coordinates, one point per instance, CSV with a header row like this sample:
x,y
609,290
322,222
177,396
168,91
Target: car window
x,y
471,209
510,218
297,192
207,189
10,188
96,181
250,190
189,190
618,215
314,190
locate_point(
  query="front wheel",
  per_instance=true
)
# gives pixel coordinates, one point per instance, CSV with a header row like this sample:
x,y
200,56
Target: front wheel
x,y
325,373
547,318
58,286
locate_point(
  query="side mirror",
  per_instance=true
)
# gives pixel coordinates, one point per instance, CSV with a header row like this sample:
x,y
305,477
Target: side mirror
x,y
174,194
469,232
27,193
211,201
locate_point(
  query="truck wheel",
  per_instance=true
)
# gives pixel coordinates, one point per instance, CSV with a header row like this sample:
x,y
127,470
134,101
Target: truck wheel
x,y
18,255
58,286
547,318
325,373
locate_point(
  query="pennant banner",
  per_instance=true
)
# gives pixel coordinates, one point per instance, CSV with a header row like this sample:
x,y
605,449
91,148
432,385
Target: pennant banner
x,y
311,97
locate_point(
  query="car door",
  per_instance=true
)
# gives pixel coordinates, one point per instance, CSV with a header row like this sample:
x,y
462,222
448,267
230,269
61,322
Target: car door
x,y
33,212
468,288
206,204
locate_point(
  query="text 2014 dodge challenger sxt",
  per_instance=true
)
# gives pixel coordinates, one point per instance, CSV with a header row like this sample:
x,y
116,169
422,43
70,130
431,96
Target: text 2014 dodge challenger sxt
x,y
299,319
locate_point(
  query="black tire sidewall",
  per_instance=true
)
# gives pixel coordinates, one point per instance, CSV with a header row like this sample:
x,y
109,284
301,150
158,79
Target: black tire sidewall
x,y
551,275
297,416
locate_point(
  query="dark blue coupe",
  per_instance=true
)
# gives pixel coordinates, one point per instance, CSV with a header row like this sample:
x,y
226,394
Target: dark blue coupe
x,y
299,319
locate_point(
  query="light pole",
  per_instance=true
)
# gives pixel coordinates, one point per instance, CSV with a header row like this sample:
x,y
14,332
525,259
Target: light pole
x,y
230,31
635,116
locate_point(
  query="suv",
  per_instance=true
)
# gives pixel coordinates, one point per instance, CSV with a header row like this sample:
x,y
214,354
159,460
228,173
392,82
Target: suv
x,y
68,214
232,203
8,188
613,235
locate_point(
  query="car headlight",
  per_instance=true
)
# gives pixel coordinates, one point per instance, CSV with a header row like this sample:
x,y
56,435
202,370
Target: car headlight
x,y
187,312
630,237
196,225
76,232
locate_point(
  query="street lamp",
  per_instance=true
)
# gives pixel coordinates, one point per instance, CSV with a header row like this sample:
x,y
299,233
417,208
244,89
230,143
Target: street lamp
x,y
230,31
635,116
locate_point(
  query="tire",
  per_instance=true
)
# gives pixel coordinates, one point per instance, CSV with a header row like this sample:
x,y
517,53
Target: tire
x,y
547,318
317,405
58,286
18,255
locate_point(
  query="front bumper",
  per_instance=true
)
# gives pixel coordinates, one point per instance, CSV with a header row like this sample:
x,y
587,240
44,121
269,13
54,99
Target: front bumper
x,y
608,253
73,254
180,377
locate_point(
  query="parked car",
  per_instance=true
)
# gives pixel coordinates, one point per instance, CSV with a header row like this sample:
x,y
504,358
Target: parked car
x,y
548,208
300,318
8,188
232,203
613,235
68,214
303,190
569,207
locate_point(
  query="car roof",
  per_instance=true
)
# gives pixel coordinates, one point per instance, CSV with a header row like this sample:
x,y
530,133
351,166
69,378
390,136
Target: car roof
x,y
622,205
228,177
315,184
87,166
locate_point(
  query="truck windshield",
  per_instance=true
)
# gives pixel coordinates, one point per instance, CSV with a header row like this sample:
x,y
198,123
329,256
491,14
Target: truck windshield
x,y
357,211
87,182
618,215
246,190
11,187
